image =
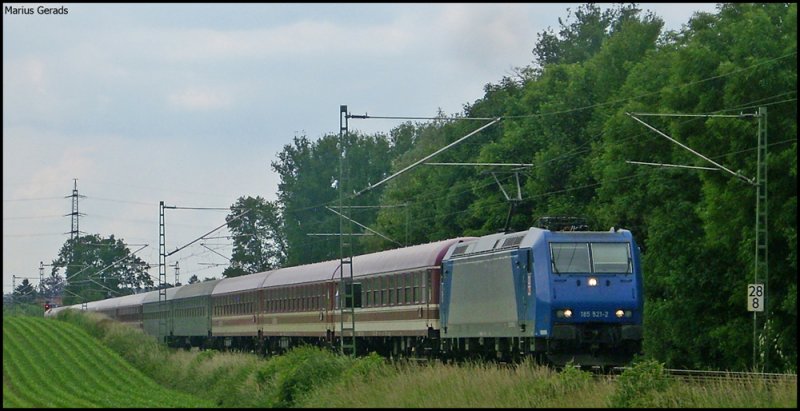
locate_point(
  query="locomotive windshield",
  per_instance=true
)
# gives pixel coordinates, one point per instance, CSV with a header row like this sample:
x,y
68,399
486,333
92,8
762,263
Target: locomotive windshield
x,y
590,257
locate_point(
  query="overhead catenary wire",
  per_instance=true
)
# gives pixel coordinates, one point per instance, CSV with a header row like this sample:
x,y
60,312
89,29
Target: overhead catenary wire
x,y
366,117
509,117
210,232
426,158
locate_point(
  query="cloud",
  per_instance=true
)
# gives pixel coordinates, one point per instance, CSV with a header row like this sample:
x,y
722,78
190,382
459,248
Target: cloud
x,y
26,83
199,98
305,38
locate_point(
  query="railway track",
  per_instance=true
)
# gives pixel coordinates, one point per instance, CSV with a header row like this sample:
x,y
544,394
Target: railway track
x,y
702,375
708,376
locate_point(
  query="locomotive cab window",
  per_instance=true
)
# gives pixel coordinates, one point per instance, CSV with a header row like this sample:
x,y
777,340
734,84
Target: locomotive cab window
x,y
576,258
611,258
570,257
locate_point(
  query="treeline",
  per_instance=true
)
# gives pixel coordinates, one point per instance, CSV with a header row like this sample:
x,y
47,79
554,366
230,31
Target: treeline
x,y
566,113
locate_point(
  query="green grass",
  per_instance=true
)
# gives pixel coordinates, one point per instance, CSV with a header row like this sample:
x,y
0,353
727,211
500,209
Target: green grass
x,y
55,364
311,377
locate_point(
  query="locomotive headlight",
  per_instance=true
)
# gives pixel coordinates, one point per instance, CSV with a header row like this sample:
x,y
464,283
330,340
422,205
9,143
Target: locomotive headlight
x,y
592,281
620,313
628,313
568,313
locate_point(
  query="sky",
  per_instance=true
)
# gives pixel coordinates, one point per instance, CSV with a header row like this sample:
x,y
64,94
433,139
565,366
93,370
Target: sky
x,y
190,103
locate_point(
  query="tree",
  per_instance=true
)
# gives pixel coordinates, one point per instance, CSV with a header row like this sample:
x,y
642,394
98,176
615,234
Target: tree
x,y
695,228
258,240
96,268
310,181
193,279
53,286
24,293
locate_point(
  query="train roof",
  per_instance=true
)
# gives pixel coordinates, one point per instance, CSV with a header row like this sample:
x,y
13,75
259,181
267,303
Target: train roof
x,y
152,296
303,273
388,261
54,311
404,259
500,241
196,289
133,299
241,283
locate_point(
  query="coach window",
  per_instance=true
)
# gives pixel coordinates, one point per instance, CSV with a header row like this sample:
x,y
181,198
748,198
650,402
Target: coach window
x,y
384,290
376,291
409,284
390,286
367,292
268,296
270,300
428,287
364,293
398,287
417,287
401,291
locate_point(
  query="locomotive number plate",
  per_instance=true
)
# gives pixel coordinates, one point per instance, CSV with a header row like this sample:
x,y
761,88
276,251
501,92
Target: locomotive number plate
x,y
594,314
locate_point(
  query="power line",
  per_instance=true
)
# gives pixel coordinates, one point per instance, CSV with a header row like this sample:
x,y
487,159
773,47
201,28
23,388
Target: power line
x,y
691,83
426,158
368,117
33,199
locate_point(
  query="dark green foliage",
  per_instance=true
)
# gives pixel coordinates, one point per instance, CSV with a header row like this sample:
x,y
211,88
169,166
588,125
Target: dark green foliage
x,y
639,386
96,268
300,371
24,293
568,116
310,176
258,239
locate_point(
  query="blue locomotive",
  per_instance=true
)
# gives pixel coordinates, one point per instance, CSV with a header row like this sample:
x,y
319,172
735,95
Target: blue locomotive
x,y
562,296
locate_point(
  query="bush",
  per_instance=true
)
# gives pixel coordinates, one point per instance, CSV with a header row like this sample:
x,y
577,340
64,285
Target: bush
x,y
571,379
640,386
298,371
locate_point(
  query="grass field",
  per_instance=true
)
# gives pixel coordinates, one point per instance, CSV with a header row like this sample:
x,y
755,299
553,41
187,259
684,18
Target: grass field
x,y
87,360
55,364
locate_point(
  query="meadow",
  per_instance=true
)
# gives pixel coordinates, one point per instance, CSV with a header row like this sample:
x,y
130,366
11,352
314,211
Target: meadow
x,y
133,363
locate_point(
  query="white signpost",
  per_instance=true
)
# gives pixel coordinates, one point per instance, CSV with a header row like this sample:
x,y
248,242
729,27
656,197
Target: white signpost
x,y
755,297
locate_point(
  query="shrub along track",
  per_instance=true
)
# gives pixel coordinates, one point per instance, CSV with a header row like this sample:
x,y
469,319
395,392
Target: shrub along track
x,y
55,364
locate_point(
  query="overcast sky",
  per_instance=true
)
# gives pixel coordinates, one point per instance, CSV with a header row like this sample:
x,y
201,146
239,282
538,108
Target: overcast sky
x,y
189,104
